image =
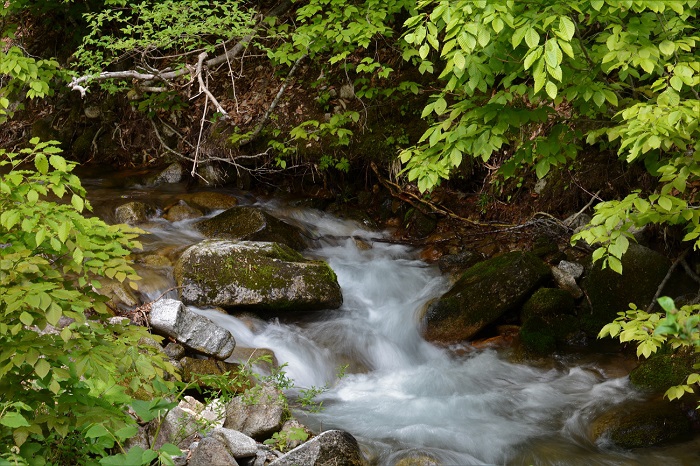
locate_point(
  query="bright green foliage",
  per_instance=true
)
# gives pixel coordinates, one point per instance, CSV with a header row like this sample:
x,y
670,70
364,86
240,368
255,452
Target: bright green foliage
x,y
334,134
281,440
24,76
152,30
531,83
676,328
64,389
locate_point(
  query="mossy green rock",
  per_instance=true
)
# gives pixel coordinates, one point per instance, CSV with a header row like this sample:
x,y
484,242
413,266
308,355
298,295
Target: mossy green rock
x,y
255,275
638,424
662,371
210,200
643,271
251,224
548,302
484,293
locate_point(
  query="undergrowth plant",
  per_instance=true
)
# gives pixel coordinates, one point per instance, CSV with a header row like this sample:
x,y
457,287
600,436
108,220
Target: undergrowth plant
x,y
67,374
675,328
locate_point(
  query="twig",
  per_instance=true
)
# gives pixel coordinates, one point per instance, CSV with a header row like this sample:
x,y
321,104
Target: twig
x,y
199,139
203,87
571,219
660,288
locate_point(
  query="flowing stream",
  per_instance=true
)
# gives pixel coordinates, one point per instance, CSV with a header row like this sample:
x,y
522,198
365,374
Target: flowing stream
x,y
401,396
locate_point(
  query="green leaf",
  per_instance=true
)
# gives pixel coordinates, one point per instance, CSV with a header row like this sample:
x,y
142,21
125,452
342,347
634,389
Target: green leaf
x,y
567,29
459,60
26,318
77,202
551,90
542,168
96,431
615,264
58,162
440,106
665,203
41,368
667,48
13,420
666,304
532,38
41,163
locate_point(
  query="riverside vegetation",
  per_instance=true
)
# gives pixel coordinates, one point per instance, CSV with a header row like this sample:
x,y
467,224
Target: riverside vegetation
x,y
503,93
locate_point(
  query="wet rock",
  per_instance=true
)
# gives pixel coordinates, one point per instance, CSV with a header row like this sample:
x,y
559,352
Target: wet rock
x,y
547,302
209,201
259,419
572,268
415,459
288,431
334,447
566,282
265,276
173,319
643,271
262,357
483,293
179,427
237,443
182,211
420,225
547,320
212,452
133,213
662,371
638,424
173,173
174,350
155,260
212,414
121,296
251,224
457,263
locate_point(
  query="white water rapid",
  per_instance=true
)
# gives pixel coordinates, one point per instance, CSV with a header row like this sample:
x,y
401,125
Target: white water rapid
x,y
403,397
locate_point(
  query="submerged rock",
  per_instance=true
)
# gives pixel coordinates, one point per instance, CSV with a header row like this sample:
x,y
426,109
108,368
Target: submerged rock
x,y
483,293
266,276
210,200
181,211
133,213
251,224
173,319
332,447
638,424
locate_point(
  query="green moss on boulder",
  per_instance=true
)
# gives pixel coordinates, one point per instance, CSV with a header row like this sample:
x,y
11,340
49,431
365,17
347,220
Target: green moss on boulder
x,y
251,224
638,424
255,275
662,371
484,293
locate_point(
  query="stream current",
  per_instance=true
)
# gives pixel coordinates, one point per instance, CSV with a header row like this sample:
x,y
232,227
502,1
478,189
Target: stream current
x,y
402,396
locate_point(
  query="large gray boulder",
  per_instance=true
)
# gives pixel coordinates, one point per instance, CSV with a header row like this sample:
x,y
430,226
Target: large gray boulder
x,y
259,419
212,452
171,318
334,447
482,294
251,224
239,444
259,275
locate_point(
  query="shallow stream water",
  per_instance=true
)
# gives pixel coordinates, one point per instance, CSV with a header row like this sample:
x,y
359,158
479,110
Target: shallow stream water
x,y
401,396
